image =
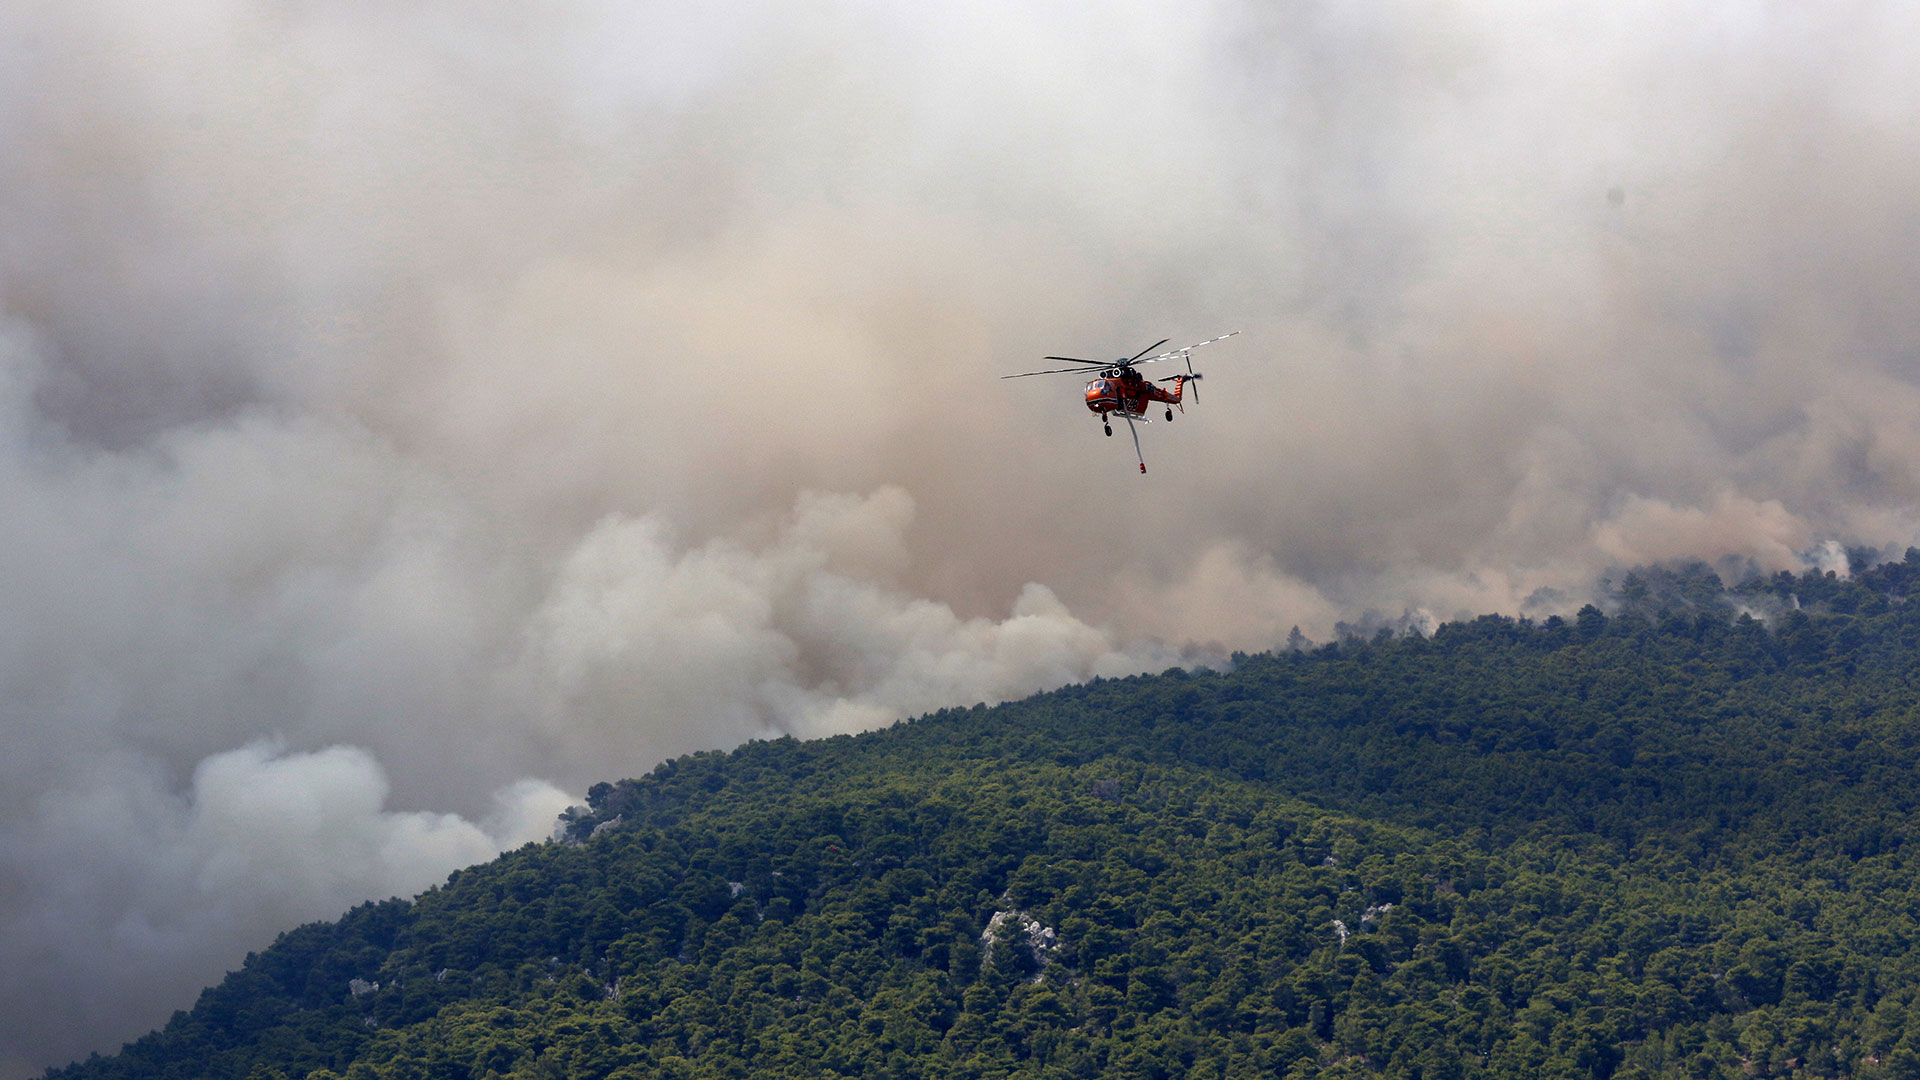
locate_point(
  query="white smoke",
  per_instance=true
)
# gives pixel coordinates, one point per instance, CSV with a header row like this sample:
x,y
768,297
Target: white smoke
x,y
138,880
401,402
644,650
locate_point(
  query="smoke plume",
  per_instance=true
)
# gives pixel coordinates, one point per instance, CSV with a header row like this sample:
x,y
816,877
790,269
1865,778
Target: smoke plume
x,y
411,413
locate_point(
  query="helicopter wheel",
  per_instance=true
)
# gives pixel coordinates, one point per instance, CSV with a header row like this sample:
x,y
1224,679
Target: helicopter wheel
x,y
1109,430
1169,416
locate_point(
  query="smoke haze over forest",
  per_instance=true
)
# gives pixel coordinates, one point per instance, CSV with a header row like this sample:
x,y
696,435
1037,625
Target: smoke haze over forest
x,y
412,414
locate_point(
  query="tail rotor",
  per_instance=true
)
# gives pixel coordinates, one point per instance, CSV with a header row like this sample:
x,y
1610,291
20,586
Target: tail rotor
x,y
1191,376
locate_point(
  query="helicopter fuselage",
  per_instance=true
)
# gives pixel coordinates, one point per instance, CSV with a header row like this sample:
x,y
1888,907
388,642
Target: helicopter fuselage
x,y
1126,393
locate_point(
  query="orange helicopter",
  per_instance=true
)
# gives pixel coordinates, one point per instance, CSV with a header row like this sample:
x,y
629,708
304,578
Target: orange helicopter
x,y
1120,390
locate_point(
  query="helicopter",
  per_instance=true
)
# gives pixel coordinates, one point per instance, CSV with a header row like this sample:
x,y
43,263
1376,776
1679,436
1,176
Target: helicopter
x,y
1119,389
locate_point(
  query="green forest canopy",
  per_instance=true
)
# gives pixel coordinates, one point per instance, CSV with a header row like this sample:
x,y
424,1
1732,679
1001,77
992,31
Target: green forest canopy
x,y
1671,841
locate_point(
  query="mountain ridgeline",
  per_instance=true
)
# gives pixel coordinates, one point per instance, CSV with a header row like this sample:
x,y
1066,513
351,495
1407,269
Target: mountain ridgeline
x,y
1672,841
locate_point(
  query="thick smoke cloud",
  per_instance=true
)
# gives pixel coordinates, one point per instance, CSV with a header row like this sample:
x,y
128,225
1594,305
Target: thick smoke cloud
x,y
409,413
135,878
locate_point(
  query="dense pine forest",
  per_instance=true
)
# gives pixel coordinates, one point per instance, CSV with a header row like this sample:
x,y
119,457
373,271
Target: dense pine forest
x,y
1671,839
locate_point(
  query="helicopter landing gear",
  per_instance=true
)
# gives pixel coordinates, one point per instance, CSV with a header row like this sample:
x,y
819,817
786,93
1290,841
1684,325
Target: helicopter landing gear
x,y
1108,428
1169,416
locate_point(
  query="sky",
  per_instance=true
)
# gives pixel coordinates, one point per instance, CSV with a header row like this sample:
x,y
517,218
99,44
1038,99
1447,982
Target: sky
x,y
414,413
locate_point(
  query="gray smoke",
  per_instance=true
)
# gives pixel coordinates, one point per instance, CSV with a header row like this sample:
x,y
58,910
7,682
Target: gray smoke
x,y
410,414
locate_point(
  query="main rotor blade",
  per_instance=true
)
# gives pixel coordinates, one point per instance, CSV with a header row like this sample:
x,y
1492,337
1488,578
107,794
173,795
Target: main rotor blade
x,y
1210,341
1148,349
1095,365
1188,348
1050,371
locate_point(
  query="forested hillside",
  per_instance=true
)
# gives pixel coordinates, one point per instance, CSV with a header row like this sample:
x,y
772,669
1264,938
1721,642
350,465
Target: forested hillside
x,y
1671,841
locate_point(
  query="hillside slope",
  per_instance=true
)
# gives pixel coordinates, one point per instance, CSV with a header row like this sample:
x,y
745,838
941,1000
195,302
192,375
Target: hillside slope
x,y
1673,842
